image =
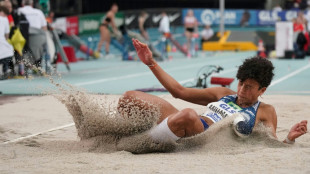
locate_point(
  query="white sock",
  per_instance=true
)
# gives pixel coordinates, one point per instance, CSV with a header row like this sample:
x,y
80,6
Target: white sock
x,y
163,133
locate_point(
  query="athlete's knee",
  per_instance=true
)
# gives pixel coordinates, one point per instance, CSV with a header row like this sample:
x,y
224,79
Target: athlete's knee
x,y
128,100
129,95
189,112
184,118
183,121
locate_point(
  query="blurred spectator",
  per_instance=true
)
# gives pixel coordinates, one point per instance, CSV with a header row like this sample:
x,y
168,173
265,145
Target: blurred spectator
x,y
34,16
6,50
300,36
105,32
164,29
37,35
206,34
142,18
299,23
307,17
8,5
277,8
50,17
191,25
295,6
245,18
15,39
164,24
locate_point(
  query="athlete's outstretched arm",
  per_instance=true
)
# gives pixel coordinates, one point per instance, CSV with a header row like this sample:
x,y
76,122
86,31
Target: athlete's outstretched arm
x,y
268,116
198,96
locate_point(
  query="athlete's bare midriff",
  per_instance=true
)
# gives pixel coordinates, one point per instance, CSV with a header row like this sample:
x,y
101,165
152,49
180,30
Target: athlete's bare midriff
x,y
207,120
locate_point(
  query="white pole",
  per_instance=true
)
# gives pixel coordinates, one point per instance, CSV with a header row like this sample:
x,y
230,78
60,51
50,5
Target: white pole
x,y
222,8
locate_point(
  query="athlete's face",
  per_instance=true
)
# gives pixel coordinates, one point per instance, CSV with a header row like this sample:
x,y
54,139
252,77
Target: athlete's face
x,y
115,8
249,91
8,5
190,13
2,14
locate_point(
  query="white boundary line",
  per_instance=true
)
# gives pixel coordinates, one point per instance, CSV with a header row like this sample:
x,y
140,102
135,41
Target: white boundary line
x,y
289,75
139,74
36,134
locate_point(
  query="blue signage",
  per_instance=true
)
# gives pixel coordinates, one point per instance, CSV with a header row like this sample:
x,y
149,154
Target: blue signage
x,y
231,17
241,17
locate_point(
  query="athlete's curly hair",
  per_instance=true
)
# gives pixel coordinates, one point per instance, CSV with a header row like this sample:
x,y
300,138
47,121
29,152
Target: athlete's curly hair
x,y
258,69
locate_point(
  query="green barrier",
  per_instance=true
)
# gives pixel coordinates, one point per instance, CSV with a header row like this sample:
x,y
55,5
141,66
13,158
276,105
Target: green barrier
x,y
89,24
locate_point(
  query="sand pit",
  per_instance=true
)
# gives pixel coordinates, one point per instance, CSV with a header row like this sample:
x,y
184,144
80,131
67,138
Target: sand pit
x,y
217,150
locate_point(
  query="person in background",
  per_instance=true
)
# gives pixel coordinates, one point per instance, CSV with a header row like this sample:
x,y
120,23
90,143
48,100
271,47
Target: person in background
x,y
105,33
18,57
295,6
206,34
277,8
35,17
8,5
300,36
164,29
245,18
141,20
190,25
6,50
299,24
307,17
37,37
50,17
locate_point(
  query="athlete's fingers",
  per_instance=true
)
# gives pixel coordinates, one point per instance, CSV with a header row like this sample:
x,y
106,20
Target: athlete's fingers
x,y
136,44
303,128
304,124
133,42
304,121
143,45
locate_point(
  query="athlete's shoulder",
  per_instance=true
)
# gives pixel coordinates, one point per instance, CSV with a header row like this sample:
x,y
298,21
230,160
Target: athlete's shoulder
x,y
266,107
266,112
220,92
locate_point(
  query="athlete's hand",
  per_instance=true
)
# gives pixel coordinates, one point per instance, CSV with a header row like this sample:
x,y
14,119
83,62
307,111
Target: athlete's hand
x,y
143,52
297,130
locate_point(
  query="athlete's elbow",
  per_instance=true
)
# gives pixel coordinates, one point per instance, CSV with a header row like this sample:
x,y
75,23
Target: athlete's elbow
x,y
175,95
178,93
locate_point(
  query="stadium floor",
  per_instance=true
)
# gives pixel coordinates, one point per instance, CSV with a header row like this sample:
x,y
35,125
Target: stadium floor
x,y
113,76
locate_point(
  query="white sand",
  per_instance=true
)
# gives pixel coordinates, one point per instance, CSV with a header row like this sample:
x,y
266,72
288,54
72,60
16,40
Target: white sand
x,y
61,151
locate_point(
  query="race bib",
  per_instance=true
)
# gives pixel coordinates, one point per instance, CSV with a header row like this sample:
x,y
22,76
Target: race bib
x,y
216,111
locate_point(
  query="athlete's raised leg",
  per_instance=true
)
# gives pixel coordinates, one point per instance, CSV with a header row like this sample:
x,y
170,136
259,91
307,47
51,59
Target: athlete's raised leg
x,y
165,107
184,123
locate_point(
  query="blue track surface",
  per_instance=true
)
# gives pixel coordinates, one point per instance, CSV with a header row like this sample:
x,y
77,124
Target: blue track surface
x,y
114,76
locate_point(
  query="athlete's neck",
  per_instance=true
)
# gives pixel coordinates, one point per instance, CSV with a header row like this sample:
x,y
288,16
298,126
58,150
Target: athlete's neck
x,y
244,104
